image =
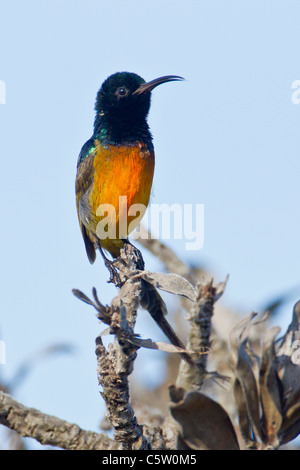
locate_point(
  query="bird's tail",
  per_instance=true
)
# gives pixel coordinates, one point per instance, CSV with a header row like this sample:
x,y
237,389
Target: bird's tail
x,y
154,304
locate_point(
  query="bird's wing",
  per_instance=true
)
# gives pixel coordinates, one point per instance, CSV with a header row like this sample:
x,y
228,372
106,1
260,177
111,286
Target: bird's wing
x,y
84,181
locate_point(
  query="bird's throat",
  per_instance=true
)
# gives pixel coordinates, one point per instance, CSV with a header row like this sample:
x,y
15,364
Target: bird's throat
x,y
122,132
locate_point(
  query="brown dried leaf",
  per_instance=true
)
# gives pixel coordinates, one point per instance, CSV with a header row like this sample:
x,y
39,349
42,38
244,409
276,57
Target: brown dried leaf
x,y
204,424
289,361
270,389
291,424
241,331
237,333
220,288
292,334
290,381
172,283
105,332
246,378
244,422
104,313
148,343
81,296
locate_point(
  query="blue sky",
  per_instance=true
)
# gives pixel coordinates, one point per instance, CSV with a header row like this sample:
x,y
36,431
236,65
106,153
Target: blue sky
x,y
227,137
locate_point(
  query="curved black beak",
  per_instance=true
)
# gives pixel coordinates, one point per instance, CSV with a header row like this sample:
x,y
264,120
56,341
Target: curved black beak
x,y
154,83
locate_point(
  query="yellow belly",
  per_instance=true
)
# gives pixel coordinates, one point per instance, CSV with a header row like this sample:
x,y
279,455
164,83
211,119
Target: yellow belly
x,y
121,191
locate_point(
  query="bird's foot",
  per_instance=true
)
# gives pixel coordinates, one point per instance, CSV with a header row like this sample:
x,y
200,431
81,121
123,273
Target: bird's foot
x,y
113,272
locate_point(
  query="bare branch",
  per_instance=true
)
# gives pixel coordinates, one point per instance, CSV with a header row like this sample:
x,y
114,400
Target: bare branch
x,y
116,364
46,429
199,336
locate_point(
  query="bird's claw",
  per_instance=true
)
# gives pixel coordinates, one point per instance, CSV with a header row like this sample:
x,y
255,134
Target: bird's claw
x,y
113,272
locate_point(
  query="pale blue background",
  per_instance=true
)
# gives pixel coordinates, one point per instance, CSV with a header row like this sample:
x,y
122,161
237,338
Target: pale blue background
x,y
227,137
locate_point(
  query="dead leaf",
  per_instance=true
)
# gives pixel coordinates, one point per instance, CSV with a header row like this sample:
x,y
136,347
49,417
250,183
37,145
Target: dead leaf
x,y
167,347
245,376
172,283
291,424
244,422
81,296
270,389
237,333
204,424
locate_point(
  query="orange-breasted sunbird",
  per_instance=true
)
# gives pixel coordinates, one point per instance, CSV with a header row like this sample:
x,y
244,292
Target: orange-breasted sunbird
x,y
117,164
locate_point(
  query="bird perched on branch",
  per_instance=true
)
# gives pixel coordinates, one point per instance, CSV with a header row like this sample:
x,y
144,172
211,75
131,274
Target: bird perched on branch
x,y
115,172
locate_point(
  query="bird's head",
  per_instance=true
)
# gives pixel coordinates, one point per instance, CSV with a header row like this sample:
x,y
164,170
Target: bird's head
x,y
126,96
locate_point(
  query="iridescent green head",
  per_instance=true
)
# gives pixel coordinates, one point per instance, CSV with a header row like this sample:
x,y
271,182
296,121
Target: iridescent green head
x,y
122,105
126,95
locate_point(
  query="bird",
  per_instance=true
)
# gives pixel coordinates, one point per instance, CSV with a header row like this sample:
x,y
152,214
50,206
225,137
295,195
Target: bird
x,y
118,162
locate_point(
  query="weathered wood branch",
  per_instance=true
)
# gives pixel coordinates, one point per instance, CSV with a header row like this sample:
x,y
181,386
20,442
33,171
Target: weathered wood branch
x,y
50,430
200,318
115,364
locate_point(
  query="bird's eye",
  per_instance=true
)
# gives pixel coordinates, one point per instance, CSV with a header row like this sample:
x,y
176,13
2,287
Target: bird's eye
x,y
122,91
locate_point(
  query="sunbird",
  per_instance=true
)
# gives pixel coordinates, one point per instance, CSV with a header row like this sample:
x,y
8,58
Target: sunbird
x,y
117,163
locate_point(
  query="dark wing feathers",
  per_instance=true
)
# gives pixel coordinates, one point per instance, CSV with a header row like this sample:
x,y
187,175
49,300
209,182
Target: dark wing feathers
x,y
84,181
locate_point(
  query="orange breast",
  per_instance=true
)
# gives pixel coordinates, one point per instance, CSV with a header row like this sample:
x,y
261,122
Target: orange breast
x,y
123,178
